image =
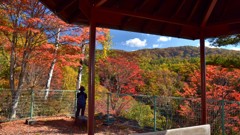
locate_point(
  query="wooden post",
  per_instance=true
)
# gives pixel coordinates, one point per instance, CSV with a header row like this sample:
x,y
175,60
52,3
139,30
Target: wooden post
x,y
91,78
203,81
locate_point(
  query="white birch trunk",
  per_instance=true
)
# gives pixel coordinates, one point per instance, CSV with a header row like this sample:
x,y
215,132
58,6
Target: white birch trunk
x,y
50,74
49,78
80,69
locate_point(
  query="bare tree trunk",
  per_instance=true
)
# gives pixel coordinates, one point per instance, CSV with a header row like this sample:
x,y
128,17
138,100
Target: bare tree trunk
x,y
23,70
50,74
12,63
12,77
80,69
15,99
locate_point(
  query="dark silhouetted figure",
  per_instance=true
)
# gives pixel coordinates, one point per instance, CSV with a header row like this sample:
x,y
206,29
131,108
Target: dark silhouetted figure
x,y
81,102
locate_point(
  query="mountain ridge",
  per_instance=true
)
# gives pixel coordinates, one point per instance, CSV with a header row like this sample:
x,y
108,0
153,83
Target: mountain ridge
x,y
183,52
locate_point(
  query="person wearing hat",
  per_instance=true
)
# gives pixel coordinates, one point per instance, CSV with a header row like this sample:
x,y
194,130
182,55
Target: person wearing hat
x,y
81,102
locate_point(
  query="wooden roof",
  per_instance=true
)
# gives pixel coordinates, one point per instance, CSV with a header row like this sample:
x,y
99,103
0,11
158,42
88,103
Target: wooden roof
x,y
177,18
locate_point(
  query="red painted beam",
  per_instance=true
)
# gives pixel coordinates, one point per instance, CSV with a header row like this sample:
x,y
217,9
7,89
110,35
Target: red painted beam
x,y
203,62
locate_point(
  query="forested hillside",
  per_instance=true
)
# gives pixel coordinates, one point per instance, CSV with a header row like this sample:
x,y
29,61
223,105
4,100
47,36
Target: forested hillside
x,y
182,52
214,56
170,71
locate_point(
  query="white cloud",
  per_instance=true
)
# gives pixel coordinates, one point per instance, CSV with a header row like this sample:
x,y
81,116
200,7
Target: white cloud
x,y
164,39
143,34
234,48
156,45
136,42
207,44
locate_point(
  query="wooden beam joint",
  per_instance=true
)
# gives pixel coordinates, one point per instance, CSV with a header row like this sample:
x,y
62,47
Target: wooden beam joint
x,y
208,13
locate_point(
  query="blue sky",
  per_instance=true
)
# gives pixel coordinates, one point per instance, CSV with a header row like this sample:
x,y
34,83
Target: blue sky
x,y
131,41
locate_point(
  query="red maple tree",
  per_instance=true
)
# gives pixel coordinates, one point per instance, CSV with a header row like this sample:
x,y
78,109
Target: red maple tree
x,y
119,76
223,94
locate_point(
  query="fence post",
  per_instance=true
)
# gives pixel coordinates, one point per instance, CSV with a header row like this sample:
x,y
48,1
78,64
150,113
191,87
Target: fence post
x,y
75,103
155,114
140,107
223,117
32,100
108,104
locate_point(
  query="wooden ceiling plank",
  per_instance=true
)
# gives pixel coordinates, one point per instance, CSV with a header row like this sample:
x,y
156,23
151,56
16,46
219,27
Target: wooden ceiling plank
x,y
221,25
176,13
155,10
193,10
143,26
226,22
100,3
208,13
116,3
216,30
105,11
124,21
85,6
179,8
63,6
127,18
73,16
139,6
225,9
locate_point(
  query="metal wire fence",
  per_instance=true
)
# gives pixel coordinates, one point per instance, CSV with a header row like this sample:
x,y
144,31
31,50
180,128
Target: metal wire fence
x,y
32,103
161,113
148,112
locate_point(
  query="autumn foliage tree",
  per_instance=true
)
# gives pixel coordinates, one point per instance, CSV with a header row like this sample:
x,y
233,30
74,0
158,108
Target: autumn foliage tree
x,y
79,37
32,36
119,75
160,82
68,50
26,25
223,86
